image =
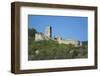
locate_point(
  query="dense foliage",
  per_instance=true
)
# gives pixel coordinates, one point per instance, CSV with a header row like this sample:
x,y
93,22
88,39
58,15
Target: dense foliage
x,y
85,44
31,32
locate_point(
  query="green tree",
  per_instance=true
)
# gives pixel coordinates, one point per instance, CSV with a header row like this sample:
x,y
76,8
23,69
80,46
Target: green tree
x,y
84,44
31,32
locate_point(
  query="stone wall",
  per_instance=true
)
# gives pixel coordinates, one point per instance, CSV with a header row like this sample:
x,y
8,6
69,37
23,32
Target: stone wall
x,y
38,37
73,42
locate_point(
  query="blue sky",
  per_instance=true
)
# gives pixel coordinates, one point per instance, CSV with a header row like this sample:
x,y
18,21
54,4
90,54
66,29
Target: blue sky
x,y
68,27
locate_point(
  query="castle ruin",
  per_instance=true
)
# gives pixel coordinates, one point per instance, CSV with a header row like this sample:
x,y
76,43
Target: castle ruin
x,y
48,35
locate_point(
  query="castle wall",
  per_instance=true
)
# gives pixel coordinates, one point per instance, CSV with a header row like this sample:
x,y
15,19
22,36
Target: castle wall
x,y
38,37
47,35
44,36
73,42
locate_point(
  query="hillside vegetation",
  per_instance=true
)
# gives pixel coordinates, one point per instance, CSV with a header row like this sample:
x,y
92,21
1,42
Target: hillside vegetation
x,y
50,49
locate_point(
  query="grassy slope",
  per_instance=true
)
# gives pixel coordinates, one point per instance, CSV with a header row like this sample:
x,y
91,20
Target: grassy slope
x,y
44,50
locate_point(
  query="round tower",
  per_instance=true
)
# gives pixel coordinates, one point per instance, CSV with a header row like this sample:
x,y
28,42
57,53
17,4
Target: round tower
x,y
48,31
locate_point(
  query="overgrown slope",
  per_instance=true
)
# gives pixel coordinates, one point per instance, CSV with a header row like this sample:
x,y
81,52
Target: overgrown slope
x,y
49,49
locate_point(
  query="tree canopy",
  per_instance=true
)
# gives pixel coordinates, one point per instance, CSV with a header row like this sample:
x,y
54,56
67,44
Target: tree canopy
x,y
31,32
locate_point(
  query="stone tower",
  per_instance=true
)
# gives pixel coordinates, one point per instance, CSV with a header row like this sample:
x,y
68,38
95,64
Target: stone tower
x,y
48,31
